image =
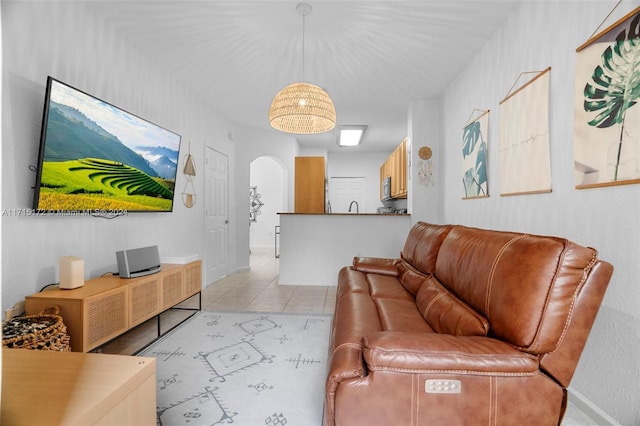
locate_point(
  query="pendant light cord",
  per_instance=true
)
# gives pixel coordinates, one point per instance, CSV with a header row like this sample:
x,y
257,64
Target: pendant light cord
x,y
303,9
304,15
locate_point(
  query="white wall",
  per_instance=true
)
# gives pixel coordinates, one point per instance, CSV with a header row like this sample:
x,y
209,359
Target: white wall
x,y
538,35
62,40
267,175
258,143
1,97
71,44
425,177
315,247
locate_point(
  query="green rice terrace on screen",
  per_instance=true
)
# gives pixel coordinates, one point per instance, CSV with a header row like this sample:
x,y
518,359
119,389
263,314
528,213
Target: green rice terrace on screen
x,y
98,157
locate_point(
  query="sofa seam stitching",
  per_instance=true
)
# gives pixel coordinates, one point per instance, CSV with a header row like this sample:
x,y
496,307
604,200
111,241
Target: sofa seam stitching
x,y
494,265
490,401
465,372
585,274
430,305
348,344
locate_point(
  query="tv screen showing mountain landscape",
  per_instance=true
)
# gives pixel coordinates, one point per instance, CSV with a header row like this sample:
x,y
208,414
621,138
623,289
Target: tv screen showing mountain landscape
x,y
97,157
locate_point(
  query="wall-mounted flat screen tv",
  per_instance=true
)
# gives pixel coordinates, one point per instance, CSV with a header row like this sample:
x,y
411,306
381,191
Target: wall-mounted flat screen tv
x,y
95,157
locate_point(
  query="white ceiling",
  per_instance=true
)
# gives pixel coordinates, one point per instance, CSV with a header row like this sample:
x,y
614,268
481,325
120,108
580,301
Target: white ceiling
x,y
372,57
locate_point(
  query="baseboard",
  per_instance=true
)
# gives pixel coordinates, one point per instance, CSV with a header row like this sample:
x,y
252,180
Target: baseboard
x,y
590,409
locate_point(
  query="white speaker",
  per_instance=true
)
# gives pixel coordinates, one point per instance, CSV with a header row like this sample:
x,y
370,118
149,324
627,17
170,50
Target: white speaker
x,y
71,272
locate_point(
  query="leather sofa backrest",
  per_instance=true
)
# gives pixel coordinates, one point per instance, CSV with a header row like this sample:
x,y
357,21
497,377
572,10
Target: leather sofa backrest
x,y
525,285
422,245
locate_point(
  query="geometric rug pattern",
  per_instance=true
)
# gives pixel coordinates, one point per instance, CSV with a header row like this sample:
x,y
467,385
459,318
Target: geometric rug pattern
x,y
242,368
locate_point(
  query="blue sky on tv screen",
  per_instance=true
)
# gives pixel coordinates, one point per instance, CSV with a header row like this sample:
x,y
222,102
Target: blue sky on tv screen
x,y
132,131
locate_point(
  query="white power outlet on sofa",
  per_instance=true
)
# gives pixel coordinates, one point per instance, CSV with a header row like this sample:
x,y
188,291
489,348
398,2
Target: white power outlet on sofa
x,y
443,386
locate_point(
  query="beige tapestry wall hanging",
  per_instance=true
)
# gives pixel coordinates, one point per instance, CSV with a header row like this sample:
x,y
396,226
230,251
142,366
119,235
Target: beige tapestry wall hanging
x,y
474,155
607,119
525,164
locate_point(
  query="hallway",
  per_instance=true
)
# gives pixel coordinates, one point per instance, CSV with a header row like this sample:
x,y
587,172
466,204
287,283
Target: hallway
x,y
258,290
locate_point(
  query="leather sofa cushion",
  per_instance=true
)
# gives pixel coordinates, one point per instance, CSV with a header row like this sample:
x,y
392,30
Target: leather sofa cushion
x,y
354,282
446,314
410,278
422,245
376,265
356,313
401,315
525,285
433,352
386,287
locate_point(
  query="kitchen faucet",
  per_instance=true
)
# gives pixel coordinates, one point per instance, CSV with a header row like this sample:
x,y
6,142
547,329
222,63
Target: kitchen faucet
x,y
351,205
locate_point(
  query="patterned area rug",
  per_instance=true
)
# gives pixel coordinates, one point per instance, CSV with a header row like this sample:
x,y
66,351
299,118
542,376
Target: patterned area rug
x,y
242,368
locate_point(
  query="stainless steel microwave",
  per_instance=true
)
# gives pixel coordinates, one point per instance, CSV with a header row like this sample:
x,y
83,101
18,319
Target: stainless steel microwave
x,y
386,188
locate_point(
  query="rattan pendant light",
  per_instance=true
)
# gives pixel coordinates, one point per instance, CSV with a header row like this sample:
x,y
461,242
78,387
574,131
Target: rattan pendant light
x,y
301,107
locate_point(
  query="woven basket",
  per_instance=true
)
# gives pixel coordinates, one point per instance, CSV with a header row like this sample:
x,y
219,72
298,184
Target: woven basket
x,y
45,331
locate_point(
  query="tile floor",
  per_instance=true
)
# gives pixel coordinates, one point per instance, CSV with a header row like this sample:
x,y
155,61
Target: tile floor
x,y
258,290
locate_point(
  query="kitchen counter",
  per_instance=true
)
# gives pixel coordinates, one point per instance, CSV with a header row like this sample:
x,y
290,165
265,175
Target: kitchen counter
x,y
314,246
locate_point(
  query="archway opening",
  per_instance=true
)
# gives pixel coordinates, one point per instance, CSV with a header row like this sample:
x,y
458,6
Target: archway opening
x,y
266,199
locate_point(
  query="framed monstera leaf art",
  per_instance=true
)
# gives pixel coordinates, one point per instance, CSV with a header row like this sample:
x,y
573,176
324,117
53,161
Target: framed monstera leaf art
x,y
607,119
474,156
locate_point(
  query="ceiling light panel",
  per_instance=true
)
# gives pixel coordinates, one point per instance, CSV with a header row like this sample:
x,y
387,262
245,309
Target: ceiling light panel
x,y
351,135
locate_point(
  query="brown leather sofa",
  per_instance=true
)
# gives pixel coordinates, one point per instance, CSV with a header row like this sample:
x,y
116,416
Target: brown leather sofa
x,y
467,327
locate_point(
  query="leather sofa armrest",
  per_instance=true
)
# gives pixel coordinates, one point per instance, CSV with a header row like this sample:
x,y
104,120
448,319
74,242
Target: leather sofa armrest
x,y
376,265
435,353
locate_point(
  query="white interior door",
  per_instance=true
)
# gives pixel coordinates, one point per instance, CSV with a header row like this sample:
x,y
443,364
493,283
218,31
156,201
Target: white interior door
x,y
344,190
216,215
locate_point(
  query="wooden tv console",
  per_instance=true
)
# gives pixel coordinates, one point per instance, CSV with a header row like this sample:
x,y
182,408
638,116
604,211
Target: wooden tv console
x,y
109,306
70,388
